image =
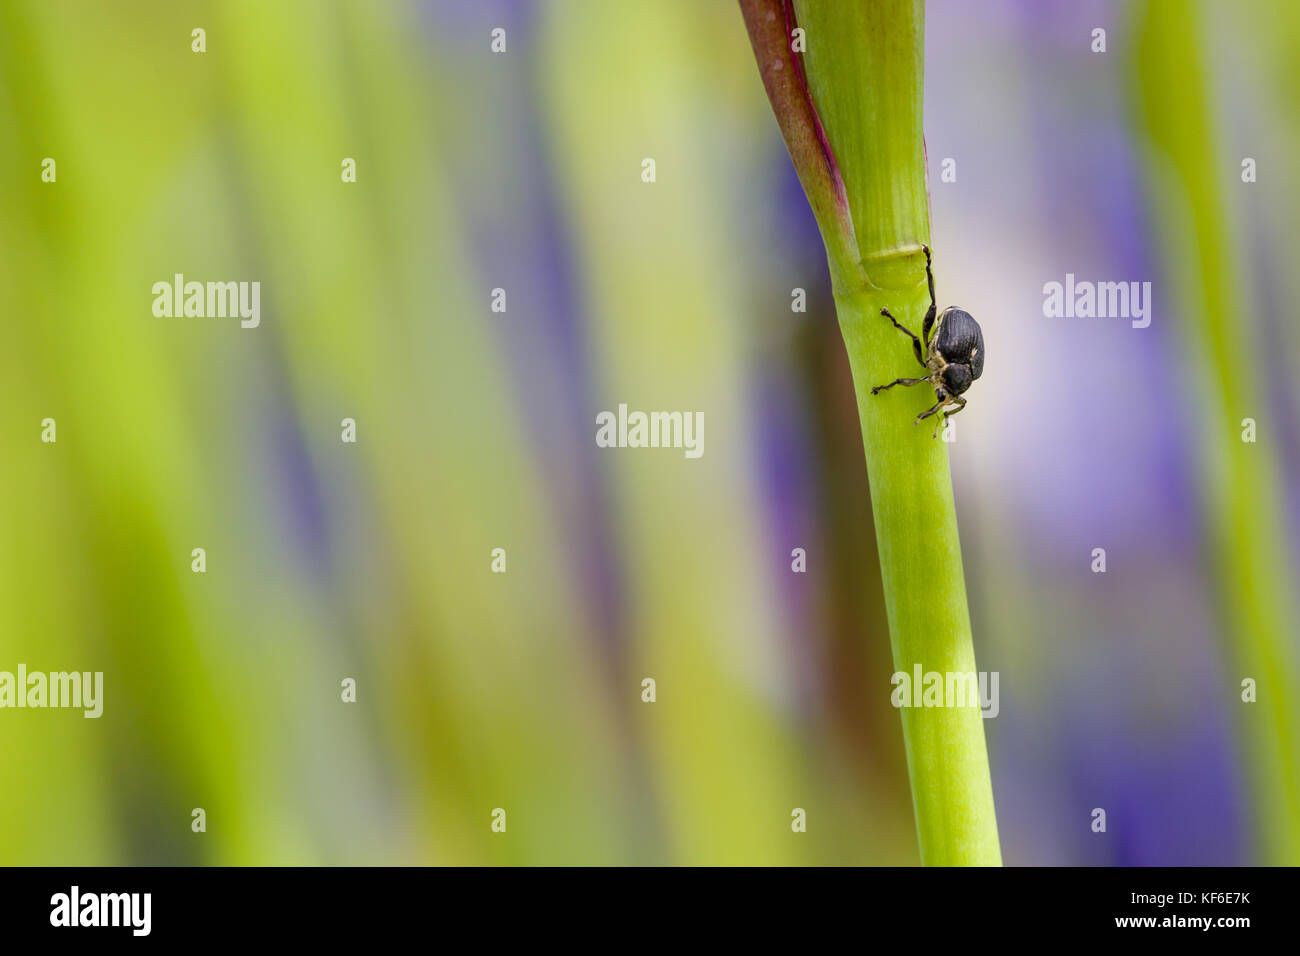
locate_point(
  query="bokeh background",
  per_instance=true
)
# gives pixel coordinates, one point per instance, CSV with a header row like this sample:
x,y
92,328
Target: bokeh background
x,y
475,430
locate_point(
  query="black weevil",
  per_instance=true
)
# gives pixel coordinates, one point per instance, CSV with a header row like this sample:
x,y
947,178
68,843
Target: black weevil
x,y
954,358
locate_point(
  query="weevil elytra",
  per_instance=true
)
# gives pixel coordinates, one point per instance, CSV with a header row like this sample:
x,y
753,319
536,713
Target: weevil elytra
x,y
953,354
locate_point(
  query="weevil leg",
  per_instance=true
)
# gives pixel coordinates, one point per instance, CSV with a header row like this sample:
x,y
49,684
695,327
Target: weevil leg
x,y
929,316
898,381
916,343
936,407
958,403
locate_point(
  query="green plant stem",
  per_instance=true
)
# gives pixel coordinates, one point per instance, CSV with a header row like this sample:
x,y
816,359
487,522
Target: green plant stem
x,y
865,68
854,130
925,592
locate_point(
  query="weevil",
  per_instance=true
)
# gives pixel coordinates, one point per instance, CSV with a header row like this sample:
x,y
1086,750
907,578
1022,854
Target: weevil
x,y
952,353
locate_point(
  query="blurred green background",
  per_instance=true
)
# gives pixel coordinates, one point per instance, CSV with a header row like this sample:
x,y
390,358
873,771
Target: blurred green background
x,y
475,430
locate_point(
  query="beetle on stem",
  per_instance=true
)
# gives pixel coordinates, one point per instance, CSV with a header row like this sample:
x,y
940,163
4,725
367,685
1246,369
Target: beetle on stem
x,y
953,355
